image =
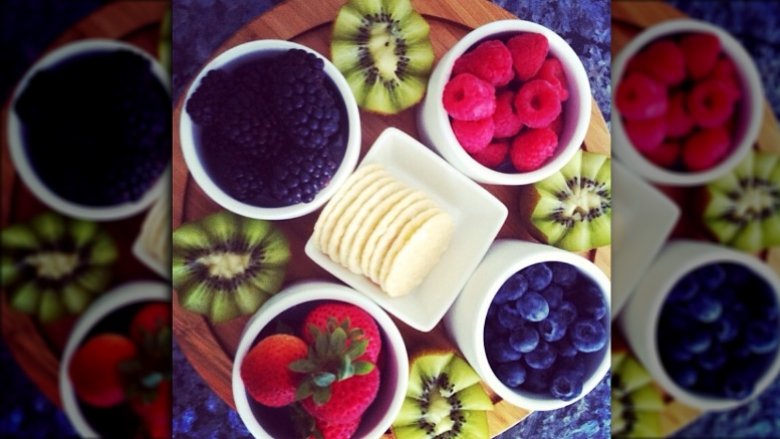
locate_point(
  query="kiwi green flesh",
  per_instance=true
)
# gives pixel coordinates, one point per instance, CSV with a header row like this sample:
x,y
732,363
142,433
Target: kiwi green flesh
x,y
636,402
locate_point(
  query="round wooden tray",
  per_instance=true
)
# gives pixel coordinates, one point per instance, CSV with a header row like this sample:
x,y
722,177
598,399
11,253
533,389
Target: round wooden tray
x,y
37,348
211,348
629,19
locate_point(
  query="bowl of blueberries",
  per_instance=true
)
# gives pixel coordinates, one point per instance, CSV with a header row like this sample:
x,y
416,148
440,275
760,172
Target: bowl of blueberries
x,y
534,322
704,322
270,129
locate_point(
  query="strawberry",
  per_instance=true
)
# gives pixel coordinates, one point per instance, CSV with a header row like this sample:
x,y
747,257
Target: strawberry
x,y
330,430
266,373
349,399
95,369
358,319
155,410
150,320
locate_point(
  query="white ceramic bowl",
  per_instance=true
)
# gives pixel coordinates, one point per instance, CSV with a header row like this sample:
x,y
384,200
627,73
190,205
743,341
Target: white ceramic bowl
x,y
195,166
124,295
434,123
466,319
19,154
639,318
750,107
304,296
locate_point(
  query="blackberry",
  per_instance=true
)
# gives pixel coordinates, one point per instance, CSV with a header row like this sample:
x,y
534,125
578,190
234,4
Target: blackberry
x,y
206,103
298,177
248,186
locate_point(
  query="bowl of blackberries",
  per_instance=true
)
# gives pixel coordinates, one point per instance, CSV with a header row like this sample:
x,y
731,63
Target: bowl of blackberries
x,y
704,321
533,321
89,129
270,129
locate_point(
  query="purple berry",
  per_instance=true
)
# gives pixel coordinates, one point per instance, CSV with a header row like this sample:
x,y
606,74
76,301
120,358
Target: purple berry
x,y
705,308
500,351
512,289
533,307
553,328
538,275
696,340
737,386
588,335
590,301
566,386
684,375
685,289
762,338
537,381
713,358
553,294
524,339
568,311
563,274
710,276
542,357
509,317
564,348
511,374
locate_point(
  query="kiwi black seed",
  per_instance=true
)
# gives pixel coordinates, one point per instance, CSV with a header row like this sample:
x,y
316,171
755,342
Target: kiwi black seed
x,y
636,401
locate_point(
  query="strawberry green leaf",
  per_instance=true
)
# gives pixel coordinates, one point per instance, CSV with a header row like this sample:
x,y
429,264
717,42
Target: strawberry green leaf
x,y
337,340
305,390
302,366
357,348
323,379
321,395
362,367
346,369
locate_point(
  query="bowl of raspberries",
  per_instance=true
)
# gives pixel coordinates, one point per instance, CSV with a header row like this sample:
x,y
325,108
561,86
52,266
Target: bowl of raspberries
x,y
320,360
508,104
705,322
270,129
534,322
689,103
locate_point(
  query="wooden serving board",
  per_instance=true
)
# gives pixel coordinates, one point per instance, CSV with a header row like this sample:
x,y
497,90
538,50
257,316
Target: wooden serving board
x,y
211,348
37,348
628,20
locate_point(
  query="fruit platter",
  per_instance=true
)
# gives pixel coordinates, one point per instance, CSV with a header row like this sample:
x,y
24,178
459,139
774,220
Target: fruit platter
x,y
657,394
291,235
59,258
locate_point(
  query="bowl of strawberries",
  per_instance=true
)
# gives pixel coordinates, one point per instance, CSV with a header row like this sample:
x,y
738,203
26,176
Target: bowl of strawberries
x,y
689,103
508,104
115,373
320,360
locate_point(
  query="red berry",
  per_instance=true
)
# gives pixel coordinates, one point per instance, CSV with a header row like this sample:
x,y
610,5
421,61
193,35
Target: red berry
x,y
265,369
150,320
332,430
701,53
706,148
710,103
537,103
552,72
506,122
357,319
349,398
678,122
725,71
665,155
531,148
95,369
467,97
493,154
490,61
646,135
528,53
474,136
663,61
557,125
640,97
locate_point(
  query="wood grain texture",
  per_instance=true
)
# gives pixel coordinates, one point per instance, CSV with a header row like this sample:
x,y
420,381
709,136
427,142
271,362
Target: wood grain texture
x,y
210,348
629,19
36,349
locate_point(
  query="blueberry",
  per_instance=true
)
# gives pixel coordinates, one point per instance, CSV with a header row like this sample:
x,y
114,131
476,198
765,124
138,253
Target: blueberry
x,y
705,308
575,366
542,357
563,274
564,348
737,386
675,350
591,301
713,358
685,289
537,380
568,311
553,294
524,339
696,340
683,374
588,335
508,317
512,289
762,338
674,318
737,275
566,386
726,328
511,374
533,307
538,275
553,328
711,276
500,351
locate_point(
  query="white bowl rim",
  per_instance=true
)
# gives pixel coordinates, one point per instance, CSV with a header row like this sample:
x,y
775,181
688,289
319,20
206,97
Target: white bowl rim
x,y
744,64
542,253
314,291
214,192
24,167
581,85
118,297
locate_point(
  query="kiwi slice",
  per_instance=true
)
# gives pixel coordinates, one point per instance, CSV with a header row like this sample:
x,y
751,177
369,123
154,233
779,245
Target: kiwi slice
x,y
743,207
572,209
384,51
226,265
444,400
53,266
636,401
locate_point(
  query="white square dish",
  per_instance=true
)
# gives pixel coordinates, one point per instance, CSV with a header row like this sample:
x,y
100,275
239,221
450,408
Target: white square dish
x,y
642,220
477,216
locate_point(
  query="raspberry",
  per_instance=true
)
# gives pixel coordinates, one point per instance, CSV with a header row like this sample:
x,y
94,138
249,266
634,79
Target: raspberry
x,y
678,122
725,71
528,53
490,61
467,97
506,121
532,148
493,154
646,135
706,148
473,136
701,53
557,125
710,103
665,155
640,97
552,72
537,103
663,61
